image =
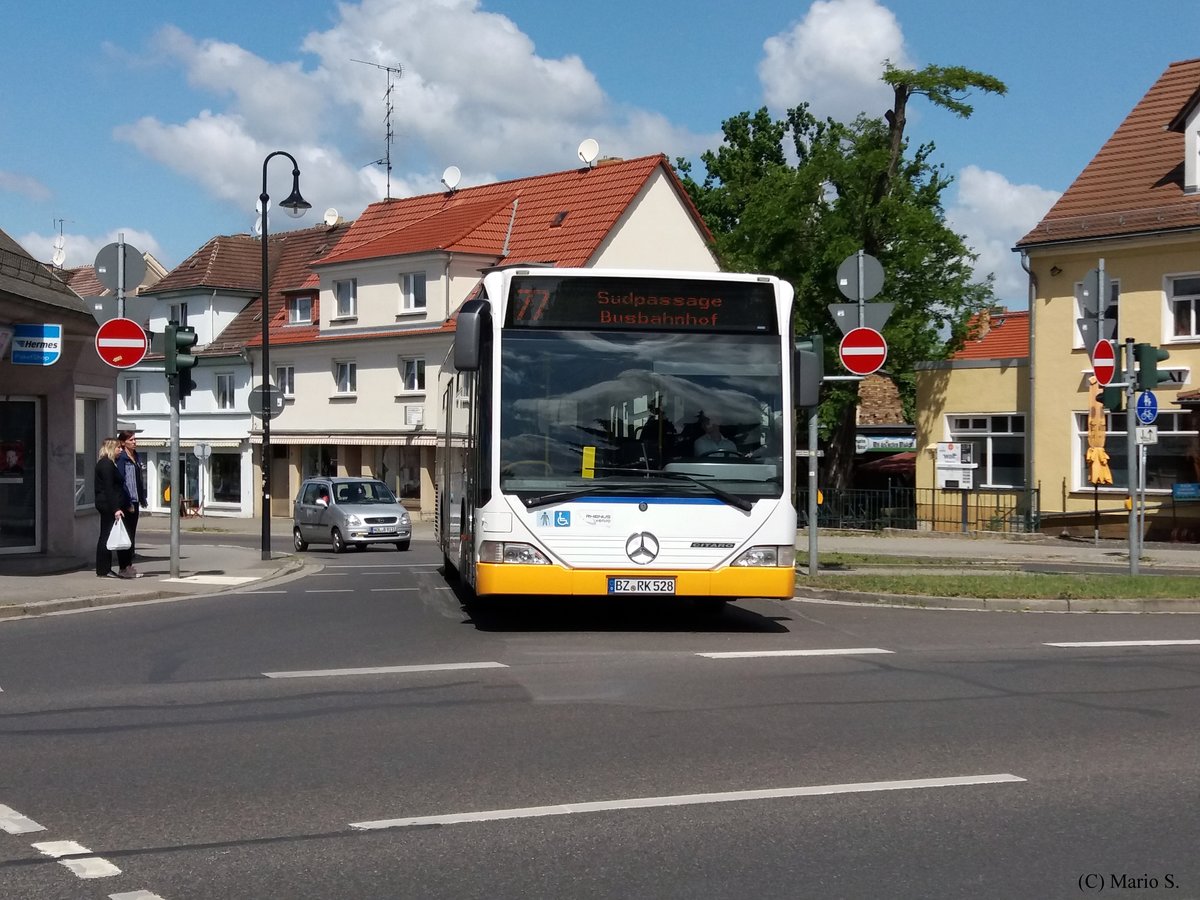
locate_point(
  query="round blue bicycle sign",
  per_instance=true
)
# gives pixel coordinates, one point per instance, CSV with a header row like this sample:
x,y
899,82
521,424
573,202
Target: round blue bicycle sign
x,y
1147,407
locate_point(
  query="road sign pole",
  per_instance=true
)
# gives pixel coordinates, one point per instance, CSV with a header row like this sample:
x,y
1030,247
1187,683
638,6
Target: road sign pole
x,y
862,300
121,275
1131,456
813,438
173,392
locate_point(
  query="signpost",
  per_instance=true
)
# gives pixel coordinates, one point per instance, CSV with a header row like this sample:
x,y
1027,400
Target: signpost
x,y
1147,407
266,401
863,351
202,451
121,343
1104,362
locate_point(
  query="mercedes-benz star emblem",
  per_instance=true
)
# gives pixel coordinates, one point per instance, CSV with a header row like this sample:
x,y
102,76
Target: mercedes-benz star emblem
x,y
641,547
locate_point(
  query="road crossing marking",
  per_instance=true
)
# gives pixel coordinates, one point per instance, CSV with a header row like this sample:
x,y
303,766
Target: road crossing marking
x,y
15,823
562,809
746,654
385,670
1122,643
211,579
77,860
135,895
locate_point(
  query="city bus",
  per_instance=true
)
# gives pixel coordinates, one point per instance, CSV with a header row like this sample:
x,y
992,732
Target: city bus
x,y
621,433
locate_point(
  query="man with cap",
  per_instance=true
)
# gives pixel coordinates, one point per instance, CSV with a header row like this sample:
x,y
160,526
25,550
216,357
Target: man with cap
x,y
133,480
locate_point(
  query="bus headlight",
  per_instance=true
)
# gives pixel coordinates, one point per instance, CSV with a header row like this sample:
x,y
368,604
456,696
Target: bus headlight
x,y
511,552
767,556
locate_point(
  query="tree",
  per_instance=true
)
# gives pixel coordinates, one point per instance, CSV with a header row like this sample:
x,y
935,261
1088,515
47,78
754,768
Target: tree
x,y
851,186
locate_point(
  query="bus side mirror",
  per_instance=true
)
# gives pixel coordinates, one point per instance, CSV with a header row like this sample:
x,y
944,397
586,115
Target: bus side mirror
x,y
473,323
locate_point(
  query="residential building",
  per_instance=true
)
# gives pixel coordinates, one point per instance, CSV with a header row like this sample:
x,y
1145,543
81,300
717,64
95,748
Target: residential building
x,y
361,319
1134,212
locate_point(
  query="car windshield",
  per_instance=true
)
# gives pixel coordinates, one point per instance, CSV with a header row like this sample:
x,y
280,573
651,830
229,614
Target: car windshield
x,y
611,411
358,493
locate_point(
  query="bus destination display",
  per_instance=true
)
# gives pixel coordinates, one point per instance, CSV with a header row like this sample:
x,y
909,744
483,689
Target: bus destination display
x,y
645,304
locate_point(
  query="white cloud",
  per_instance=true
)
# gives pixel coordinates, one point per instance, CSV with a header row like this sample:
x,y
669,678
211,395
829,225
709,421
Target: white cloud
x,y
833,59
473,92
993,214
24,185
81,249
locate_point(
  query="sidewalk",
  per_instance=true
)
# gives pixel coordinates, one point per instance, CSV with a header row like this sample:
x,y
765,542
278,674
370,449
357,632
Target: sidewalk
x,y
40,585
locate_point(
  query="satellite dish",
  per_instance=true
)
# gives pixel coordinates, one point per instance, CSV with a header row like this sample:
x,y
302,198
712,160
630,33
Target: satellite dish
x,y
258,206
258,226
59,242
331,216
451,177
589,150
59,256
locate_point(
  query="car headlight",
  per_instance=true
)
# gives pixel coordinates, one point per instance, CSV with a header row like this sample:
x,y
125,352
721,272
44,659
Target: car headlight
x,y
511,552
354,521
767,556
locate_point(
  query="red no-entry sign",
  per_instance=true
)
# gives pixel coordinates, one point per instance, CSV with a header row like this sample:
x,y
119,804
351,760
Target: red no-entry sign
x,y
1104,362
863,350
121,343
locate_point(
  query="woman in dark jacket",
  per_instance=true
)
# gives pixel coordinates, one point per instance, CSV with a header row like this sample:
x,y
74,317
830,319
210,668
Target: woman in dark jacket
x,y
110,498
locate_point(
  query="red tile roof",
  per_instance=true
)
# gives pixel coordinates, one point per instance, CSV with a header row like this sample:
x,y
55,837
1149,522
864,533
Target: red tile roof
x,y
997,334
1135,182
561,218
84,282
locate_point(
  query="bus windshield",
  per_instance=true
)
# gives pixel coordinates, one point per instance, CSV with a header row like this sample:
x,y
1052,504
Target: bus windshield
x,y
609,412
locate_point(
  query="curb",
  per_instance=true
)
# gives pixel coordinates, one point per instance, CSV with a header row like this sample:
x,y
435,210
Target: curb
x,y
290,566
1003,604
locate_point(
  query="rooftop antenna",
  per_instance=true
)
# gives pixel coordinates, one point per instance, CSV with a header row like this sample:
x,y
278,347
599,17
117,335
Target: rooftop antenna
x,y
451,177
393,72
60,254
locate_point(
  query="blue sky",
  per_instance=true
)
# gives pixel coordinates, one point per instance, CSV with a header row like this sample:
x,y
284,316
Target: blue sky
x,y
152,119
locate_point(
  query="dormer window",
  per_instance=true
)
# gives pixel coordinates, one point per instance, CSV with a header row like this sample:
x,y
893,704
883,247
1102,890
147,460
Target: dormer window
x,y
299,310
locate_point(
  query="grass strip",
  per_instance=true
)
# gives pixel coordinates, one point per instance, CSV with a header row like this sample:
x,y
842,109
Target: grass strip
x,y
1015,585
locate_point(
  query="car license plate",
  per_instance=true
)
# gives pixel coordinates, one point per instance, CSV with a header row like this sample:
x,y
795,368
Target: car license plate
x,y
640,585
383,529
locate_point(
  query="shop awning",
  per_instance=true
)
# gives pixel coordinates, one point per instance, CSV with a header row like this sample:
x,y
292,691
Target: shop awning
x,y
424,439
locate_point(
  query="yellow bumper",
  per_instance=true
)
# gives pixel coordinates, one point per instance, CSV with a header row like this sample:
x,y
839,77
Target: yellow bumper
x,y
492,578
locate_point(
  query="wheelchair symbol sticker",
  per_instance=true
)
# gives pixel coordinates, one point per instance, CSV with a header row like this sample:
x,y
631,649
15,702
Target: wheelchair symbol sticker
x,y
562,519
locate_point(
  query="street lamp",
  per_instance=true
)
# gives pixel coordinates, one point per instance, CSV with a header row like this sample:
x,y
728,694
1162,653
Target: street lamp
x,y
295,206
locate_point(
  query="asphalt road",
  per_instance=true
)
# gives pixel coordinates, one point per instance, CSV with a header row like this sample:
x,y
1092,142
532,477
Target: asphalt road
x,y
358,733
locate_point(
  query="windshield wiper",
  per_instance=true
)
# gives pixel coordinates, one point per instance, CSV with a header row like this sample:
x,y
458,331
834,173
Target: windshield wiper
x,y
732,499
564,496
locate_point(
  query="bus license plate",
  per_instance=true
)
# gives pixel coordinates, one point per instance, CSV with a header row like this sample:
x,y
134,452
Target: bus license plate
x,y
640,585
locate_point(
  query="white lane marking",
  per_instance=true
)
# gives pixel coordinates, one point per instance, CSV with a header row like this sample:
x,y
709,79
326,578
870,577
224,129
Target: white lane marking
x,y
745,654
330,591
210,579
385,670
15,823
383,566
1121,643
253,593
685,800
135,895
373,590
83,866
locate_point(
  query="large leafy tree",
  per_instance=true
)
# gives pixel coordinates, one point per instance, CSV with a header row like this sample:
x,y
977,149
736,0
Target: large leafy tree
x,y
845,187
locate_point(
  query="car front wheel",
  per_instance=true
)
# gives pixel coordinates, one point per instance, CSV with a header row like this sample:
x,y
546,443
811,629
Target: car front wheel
x,y
401,545
300,543
339,542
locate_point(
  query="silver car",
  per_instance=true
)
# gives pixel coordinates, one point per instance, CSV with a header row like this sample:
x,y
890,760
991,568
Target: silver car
x,y
349,512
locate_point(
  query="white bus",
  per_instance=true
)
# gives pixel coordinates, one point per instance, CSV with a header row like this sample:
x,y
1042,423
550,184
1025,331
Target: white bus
x,y
622,432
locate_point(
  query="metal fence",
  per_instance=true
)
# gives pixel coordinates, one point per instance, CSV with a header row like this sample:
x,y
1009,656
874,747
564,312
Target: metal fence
x,y
927,509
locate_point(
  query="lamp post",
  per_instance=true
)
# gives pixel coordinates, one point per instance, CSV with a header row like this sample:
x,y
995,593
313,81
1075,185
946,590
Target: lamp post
x,y
295,205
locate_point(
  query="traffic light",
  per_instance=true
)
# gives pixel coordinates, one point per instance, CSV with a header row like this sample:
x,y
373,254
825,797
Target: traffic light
x,y
179,362
809,371
1148,357
1112,397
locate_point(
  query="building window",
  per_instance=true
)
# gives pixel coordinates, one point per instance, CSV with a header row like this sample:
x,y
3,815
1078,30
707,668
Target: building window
x,y
179,313
345,377
285,380
299,310
225,392
1110,310
89,414
999,447
1185,306
345,293
225,475
412,292
412,373
1173,459
133,394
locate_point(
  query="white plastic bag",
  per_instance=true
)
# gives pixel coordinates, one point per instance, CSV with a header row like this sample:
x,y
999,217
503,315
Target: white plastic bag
x,y
118,538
